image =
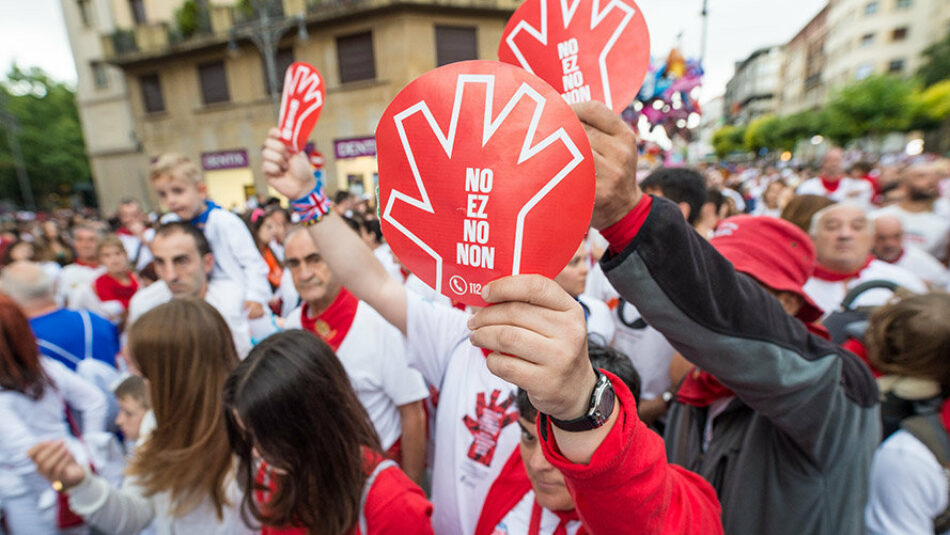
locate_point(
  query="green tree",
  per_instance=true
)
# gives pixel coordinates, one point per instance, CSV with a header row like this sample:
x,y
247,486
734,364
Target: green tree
x,y
761,134
790,129
50,136
872,107
936,65
728,140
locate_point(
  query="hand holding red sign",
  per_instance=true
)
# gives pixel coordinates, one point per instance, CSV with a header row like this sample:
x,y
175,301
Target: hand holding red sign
x,y
585,51
300,104
484,172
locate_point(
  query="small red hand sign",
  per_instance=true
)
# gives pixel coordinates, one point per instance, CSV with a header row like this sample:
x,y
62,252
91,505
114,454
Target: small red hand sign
x,y
484,172
300,104
585,51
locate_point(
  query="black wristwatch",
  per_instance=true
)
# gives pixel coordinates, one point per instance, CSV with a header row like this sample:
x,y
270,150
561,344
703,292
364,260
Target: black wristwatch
x,y
598,412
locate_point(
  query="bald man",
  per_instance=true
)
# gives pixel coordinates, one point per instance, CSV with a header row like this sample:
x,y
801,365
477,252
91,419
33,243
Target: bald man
x,y
889,247
834,184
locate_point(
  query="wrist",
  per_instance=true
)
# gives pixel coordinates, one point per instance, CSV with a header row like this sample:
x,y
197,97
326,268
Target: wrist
x,y
580,406
313,206
598,408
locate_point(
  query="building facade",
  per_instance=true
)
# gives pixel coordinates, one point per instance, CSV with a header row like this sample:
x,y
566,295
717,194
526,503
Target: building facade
x,y
202,88
753,90
802,85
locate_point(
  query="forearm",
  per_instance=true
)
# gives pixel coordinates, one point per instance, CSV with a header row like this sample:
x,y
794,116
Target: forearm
x,y
579,448
111,510
413,440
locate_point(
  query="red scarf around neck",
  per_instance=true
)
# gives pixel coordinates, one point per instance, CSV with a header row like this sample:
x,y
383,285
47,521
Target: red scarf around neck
x,y
334,323
826,274
830,186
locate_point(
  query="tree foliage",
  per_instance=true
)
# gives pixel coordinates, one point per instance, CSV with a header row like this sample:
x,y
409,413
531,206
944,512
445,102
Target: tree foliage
x,y
936,65
50,136
728,140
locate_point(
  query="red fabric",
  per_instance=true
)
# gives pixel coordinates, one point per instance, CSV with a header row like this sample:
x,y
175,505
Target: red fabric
x,y
830,185
945,413
620,234
124,232
834,276
108,288
629,483
858,348
333,323
79,262
274,271
395,451
395,505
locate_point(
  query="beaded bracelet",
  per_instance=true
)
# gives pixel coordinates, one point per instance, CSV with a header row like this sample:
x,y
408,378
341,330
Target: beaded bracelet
x,y
312,207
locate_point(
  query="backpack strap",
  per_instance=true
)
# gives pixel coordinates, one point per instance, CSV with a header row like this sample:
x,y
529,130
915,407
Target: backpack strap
x,y
383,465
929,429
87,332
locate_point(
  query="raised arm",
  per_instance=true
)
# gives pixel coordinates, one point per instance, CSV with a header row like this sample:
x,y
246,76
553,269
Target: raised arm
x,y
348,257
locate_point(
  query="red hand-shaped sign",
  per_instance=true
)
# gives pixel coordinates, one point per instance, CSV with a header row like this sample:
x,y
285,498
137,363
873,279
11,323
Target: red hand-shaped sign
x,y
300,104
585,51
484,171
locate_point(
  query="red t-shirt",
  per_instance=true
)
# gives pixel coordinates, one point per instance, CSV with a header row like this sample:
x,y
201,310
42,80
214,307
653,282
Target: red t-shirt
x,y
108,288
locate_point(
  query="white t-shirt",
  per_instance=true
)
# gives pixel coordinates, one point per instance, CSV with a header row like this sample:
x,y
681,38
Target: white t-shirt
x,y
926,230
136,247
908,488
829,294
518,520
853,190
599,320
476,416
925,266
224,295
72,279
385,256
374,356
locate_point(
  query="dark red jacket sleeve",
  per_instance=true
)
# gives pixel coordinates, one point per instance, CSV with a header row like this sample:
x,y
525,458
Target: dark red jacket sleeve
x,y
628,482
396,505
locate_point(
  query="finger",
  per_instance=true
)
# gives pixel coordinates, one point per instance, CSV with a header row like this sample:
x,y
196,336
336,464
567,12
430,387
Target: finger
x,y
531,317
269,154
599,116
64,461
520,343
514,370
604,143
41,452
533,289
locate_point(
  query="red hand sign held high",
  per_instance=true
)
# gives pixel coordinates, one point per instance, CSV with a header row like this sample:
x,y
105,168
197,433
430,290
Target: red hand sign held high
x,y
586,49
484,171
300,104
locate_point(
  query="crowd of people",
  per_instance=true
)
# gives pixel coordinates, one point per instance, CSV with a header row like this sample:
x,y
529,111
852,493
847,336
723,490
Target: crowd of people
x,y
744,350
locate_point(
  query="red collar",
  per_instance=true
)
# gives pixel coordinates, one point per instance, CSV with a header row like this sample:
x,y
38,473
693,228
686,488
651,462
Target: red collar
x,y
830,185
826,274
79,262
124,232
333,324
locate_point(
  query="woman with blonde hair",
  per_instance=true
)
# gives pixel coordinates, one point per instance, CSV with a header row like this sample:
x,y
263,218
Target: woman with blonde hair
x,y
181,476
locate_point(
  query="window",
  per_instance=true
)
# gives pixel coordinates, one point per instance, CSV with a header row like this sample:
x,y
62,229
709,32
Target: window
x,y
214,82
99,75
455,43
152,93
863,71
871,7
904,4
138,11
899,34
356,58
283,59
84,12
896,66
867,39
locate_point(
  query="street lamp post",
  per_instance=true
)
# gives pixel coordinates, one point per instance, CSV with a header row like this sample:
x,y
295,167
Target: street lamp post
x,y
702,51
12,127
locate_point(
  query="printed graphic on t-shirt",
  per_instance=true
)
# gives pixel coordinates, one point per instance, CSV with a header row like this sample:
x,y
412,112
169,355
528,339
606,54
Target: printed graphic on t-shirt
x,y
489,420
500,529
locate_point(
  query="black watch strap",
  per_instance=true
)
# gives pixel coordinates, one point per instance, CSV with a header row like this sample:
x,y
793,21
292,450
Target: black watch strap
x,y
598,412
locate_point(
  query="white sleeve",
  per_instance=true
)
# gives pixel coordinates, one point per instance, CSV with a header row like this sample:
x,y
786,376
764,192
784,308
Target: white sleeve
x,y
124,510
433,334
400,382
80,394
908,489
242,247
17,439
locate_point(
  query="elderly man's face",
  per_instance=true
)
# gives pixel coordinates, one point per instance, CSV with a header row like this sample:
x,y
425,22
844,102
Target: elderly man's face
x,y
831,165
843,239
179,263
888,239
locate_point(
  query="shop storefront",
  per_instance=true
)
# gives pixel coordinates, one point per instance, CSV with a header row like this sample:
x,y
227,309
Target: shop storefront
x,y
229,177
356,169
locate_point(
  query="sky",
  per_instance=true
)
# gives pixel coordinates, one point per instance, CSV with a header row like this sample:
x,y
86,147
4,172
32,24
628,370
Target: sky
x,y
32,33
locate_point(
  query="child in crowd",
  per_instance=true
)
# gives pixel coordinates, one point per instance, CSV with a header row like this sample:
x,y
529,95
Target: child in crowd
x,y
132,396
182,191
118,284
268,226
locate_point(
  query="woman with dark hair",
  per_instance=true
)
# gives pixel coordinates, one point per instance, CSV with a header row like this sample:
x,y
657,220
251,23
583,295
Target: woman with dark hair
x,y
181,476
290,405
34,391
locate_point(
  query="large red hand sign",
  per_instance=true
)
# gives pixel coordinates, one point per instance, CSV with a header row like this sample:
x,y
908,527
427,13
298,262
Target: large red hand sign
x,y
484,172
300,104
585,51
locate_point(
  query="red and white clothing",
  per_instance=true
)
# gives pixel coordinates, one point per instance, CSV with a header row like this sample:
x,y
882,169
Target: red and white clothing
x,y
924,265
476,416
109,288
847,189
828,289
73,279
511,509
373,352
927,230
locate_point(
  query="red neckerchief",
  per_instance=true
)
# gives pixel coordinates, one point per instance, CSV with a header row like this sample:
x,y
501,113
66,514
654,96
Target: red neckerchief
x,y
109,288
830,186
124,232
701,389
563,518
334,323
93,265
945,414
826,274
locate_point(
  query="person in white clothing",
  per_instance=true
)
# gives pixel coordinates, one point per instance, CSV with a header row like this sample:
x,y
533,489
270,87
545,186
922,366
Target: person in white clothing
x,y
834,184
924,227
889,246
372,351
573,278
182,191
476,428
85,267
181,477
33,393
184,262
842,235
907,341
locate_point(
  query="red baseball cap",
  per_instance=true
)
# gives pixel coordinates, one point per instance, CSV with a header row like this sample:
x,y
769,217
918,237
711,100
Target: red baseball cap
x,y
774,252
